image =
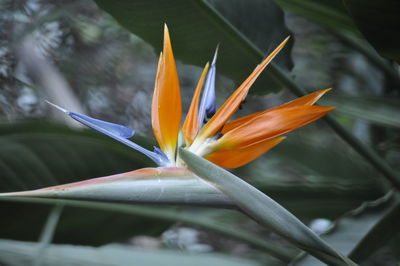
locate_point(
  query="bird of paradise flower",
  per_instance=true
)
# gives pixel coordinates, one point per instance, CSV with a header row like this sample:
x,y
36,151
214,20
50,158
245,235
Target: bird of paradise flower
x,y
206,131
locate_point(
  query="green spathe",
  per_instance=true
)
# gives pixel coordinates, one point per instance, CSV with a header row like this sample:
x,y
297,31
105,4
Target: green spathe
x,y
264,210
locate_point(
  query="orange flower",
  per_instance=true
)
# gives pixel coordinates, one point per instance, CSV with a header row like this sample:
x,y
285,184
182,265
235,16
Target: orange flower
x,y
235,143
207,131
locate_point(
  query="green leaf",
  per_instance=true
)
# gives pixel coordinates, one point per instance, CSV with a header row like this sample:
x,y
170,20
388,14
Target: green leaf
x,y
196,28
380,219
362,231
264,210
265,31
128,214
148,185
15,253
377,110
334,16
325,12
379,23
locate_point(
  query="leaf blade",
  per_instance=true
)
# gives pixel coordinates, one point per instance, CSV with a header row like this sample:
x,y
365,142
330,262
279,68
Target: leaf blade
x,y
198,26
264,210
353,231
175,186
22,253
168,215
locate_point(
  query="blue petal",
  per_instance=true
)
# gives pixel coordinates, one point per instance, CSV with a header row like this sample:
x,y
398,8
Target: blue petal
x,y
208,101
117,132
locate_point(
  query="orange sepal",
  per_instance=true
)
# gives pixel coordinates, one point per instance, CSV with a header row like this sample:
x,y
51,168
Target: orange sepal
x,y
191,125
166,107
270,125
237,157
233,102
309,99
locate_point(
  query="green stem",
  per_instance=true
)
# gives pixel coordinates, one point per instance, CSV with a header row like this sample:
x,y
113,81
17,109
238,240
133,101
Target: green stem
x,y
369,154
48,233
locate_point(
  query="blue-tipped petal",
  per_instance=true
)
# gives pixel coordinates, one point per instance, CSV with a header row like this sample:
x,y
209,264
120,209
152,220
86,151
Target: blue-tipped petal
x,y
99,125
115,131
104,127
119,130
208,100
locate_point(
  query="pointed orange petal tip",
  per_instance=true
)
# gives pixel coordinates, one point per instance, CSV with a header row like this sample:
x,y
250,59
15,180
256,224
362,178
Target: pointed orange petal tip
x,y
238,157
167,39
233,102
166,105
191,125
309,99
271,124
